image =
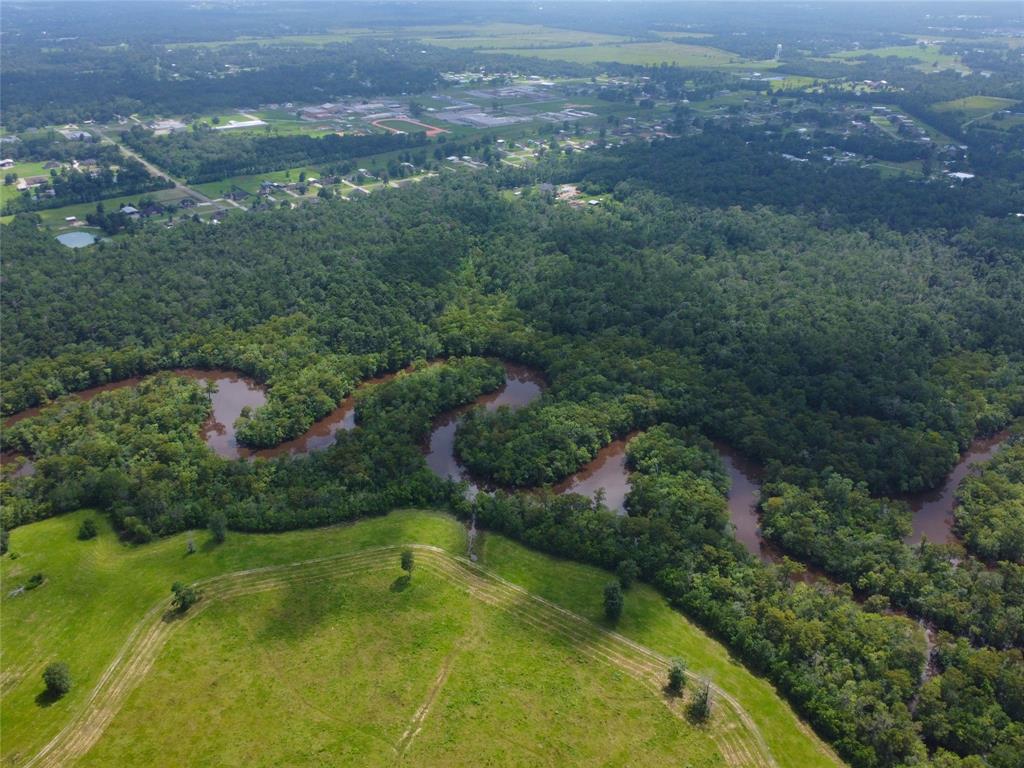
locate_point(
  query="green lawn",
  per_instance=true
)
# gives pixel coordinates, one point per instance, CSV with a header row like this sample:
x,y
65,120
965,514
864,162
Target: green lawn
x,y
224,118
790,82
494,35
341,36
352,658
251,183
1005,124
336,672
23,170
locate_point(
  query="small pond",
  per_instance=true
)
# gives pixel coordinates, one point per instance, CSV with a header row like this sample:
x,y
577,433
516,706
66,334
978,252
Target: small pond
x,y
77,239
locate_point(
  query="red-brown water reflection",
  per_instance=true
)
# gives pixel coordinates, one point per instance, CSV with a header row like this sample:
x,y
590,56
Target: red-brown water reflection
x,y
933,510
324,432
522,386
234,392
607,472
744,497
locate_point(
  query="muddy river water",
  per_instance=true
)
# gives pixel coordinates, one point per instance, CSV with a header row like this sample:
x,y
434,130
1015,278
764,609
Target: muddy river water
x,y
522,386
932,511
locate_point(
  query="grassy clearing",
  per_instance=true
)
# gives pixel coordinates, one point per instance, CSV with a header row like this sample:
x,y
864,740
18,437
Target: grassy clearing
x,y
929,56
649,620
223,118
309,649
495,35
54,217
27,169
97,590
337,36
792,82
510,36
974,106
23,170
251,184
403,125
379,668
1005,124
643,53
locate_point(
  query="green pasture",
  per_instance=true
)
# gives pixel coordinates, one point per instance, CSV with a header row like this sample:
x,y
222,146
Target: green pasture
x,y
338,668
645,53
251,183
974,106
929,56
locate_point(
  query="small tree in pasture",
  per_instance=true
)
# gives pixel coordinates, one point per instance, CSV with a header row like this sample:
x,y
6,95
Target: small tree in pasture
x,y
57,678
184,596
676,677
700,707
627,573
87,530
613,601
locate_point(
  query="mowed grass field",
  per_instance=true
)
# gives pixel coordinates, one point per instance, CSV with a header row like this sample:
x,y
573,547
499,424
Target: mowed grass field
x,y
540,41
369,668
351,666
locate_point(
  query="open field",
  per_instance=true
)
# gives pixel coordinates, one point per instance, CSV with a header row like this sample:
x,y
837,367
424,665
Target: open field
x,y
644,53
339,36
225,118
974,106
930,56
410,125
23,170
495,35
54,217
1005,124
489,36
791,82
251,183
438,670
324,629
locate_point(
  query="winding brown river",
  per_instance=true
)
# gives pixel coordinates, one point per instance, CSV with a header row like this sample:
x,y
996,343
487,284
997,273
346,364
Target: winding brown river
x,y
932,510
607,472
522,386
234,392
744,496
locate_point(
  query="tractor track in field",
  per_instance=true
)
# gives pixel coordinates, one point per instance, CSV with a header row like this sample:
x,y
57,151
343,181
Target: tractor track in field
x,y
734,732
